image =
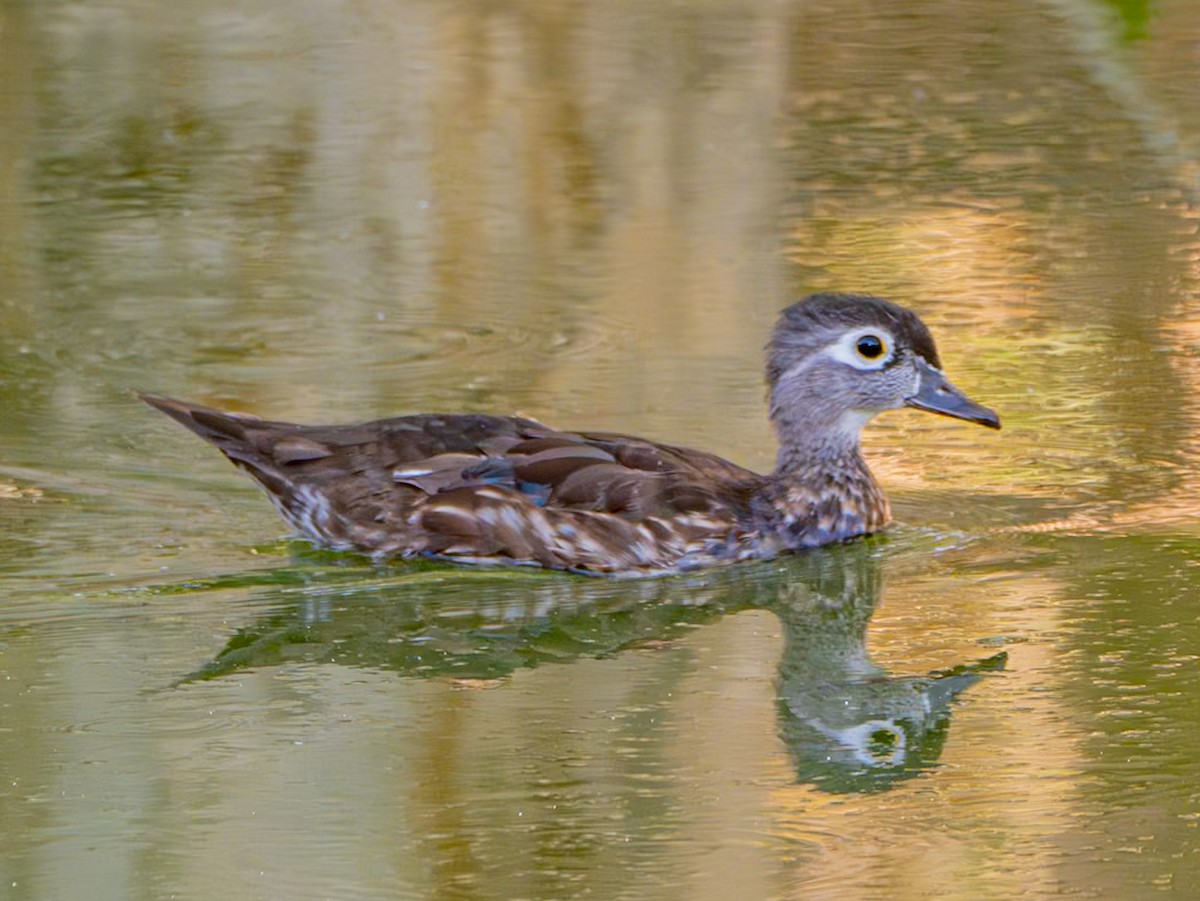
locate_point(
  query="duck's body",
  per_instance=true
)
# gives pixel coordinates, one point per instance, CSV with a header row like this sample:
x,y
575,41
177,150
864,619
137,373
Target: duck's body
x,y
478,488
488,488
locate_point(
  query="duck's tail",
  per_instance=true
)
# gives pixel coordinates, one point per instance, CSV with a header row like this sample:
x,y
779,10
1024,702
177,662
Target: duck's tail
x,y
243,438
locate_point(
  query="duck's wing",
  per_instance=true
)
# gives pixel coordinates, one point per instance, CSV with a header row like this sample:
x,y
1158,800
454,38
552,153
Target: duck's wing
x,y
485,487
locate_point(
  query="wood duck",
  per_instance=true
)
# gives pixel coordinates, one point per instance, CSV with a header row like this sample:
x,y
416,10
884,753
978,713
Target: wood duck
x,y
475,488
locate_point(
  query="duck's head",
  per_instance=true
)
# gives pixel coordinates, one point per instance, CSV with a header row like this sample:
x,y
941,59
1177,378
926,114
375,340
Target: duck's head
x,y
837,360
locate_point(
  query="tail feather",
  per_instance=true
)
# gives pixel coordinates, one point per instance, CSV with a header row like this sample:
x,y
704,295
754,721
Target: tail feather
x,y
231,433
275,455
211,425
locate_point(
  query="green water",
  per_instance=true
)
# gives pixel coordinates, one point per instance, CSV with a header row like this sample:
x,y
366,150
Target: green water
x,y
590,213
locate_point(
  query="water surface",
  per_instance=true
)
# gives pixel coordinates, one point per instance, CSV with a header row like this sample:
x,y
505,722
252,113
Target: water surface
x,y
591,214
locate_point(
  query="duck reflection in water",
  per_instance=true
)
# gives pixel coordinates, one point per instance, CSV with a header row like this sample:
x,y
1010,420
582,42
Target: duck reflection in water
x,y
848,724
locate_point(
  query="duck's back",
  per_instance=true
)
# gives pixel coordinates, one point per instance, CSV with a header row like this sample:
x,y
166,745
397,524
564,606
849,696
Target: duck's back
x,y
478,488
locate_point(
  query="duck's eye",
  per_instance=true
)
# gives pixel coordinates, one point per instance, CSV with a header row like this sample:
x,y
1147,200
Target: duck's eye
x,y
866,349
870,347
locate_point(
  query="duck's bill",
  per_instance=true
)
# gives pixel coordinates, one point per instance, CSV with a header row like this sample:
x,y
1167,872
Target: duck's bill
x,y
936,394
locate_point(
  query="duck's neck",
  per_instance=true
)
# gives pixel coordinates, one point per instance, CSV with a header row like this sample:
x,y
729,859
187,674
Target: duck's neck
x,y
821,490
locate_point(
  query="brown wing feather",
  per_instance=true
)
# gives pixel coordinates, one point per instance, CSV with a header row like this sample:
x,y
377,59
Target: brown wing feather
x,y
476,486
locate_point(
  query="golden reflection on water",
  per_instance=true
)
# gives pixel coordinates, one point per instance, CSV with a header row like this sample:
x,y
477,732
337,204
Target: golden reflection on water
x,y
590,213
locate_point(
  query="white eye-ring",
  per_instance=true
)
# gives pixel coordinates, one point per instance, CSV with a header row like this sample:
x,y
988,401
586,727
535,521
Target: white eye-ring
x,y
864,348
